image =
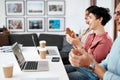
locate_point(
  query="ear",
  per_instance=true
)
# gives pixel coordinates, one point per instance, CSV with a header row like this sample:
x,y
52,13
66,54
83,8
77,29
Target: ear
x,y
100,19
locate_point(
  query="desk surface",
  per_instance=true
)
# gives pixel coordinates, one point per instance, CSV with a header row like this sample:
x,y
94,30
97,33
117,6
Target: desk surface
x,y
56,69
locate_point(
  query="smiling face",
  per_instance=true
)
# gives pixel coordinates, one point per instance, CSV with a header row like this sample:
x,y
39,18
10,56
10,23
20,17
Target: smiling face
x,y
117,17
93,22
86,17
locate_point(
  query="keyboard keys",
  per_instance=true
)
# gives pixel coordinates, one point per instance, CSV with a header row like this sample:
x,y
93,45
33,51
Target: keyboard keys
x,y
31,65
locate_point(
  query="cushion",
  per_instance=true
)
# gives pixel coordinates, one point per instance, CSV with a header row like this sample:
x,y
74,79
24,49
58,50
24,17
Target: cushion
x,y
25,39
4,39
66,46
52,40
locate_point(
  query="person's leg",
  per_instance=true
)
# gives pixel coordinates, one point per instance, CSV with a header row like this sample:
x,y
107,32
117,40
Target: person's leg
x,y
75,73
86,74
70,68
77,76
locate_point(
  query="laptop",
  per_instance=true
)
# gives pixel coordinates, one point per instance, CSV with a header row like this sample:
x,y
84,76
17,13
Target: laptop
x,y
28,65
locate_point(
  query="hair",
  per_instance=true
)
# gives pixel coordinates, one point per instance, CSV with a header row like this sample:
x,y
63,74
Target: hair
x,y
101,12
90,8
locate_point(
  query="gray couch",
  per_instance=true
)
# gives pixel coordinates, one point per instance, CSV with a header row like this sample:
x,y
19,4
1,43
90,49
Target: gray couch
x,y
51,39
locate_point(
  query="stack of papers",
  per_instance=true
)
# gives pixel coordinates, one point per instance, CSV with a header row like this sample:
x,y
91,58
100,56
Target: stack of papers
x,y
6,48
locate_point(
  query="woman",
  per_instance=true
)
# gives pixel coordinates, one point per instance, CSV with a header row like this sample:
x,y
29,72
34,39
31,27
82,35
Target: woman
x,y
96,43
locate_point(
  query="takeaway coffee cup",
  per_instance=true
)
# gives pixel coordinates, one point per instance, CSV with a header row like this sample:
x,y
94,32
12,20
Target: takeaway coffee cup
x,y
43,52
42,44
8,70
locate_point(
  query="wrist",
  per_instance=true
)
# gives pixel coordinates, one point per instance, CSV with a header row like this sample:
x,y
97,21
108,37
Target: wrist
x,y
92,65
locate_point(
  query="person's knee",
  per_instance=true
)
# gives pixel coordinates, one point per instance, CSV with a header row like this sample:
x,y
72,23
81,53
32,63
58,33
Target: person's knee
x,y
76,76
69,68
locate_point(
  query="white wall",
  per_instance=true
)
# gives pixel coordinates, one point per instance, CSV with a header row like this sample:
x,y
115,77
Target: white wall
x,y
108,4
75,14
2,13
74,17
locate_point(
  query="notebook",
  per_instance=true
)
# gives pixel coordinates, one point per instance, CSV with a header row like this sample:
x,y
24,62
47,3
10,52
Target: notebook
x,y
51,52
28,65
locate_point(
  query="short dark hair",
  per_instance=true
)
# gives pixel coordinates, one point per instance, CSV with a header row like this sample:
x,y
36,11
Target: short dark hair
x,y
90,8
101,12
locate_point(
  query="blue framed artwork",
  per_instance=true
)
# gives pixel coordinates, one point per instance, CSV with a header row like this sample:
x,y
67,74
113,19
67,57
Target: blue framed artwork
x,y
56,24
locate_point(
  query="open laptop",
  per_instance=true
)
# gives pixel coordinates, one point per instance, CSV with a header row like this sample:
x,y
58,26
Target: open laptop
x,y
28,65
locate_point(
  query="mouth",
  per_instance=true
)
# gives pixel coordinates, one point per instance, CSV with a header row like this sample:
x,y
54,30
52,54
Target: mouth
x,y
118,23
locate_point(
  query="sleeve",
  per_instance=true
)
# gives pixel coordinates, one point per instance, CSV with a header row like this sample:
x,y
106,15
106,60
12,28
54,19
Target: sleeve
x,y
104,62
101,50
110,76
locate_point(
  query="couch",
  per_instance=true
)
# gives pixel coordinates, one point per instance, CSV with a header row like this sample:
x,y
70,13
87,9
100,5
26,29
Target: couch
x,y
51,39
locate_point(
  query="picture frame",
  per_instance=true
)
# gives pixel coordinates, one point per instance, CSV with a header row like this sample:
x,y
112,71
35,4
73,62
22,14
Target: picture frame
x,y
35,7
92,2
14,7
15,24
35,24
55,7
56,24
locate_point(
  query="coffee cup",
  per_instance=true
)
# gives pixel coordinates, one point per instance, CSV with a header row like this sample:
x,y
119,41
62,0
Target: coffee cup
x,y
43,52
8,70
42,44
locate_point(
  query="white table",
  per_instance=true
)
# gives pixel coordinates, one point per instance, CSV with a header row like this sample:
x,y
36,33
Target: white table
x,y
56,69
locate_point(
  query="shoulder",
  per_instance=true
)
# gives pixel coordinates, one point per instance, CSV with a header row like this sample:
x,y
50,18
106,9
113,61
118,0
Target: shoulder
x,y
106,37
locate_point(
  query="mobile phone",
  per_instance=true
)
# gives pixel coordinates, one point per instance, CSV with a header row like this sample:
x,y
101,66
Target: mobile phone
x,y
55,59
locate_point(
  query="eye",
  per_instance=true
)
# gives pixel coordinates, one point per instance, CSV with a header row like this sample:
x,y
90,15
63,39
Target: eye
x,y
117,13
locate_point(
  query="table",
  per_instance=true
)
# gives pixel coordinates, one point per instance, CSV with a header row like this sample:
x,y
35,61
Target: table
x,y
56,69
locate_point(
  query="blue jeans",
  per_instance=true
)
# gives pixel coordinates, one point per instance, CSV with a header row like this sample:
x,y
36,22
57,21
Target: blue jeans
x,y
80,73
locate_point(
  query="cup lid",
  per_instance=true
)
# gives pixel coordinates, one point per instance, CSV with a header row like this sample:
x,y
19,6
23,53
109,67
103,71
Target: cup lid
x,y
43,41
8,65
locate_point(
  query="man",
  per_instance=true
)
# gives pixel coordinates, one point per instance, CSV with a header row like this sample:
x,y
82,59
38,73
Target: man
x,y
107,69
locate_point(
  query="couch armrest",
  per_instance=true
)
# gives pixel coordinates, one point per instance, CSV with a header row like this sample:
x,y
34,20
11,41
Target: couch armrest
x,y
4,39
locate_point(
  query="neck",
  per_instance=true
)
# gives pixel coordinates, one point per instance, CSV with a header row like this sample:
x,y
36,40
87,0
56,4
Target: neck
x,y
99,30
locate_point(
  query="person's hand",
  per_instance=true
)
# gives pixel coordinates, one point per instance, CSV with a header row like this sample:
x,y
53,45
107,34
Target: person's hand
x,y
77,43
70,33
80,58
74,41
69,39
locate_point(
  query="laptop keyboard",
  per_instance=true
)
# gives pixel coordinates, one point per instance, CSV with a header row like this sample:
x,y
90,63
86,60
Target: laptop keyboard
x,y
31,65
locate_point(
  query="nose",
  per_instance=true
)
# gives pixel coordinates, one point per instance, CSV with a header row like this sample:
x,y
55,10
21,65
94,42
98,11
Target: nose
x,y
116,17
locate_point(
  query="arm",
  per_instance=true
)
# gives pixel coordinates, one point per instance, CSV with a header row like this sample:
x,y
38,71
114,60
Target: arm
x,y
99,71
74,41
85,59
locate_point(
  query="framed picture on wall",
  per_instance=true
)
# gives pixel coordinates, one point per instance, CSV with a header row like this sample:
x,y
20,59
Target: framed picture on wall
x,y
15,24
35,24
55,7
14,7
35,7
56,24
92,2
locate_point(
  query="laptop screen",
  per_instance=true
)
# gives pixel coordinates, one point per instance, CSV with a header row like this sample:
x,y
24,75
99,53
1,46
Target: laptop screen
x,y
18,54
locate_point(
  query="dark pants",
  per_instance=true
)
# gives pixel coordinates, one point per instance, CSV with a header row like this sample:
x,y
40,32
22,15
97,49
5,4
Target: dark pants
x,y
80,73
